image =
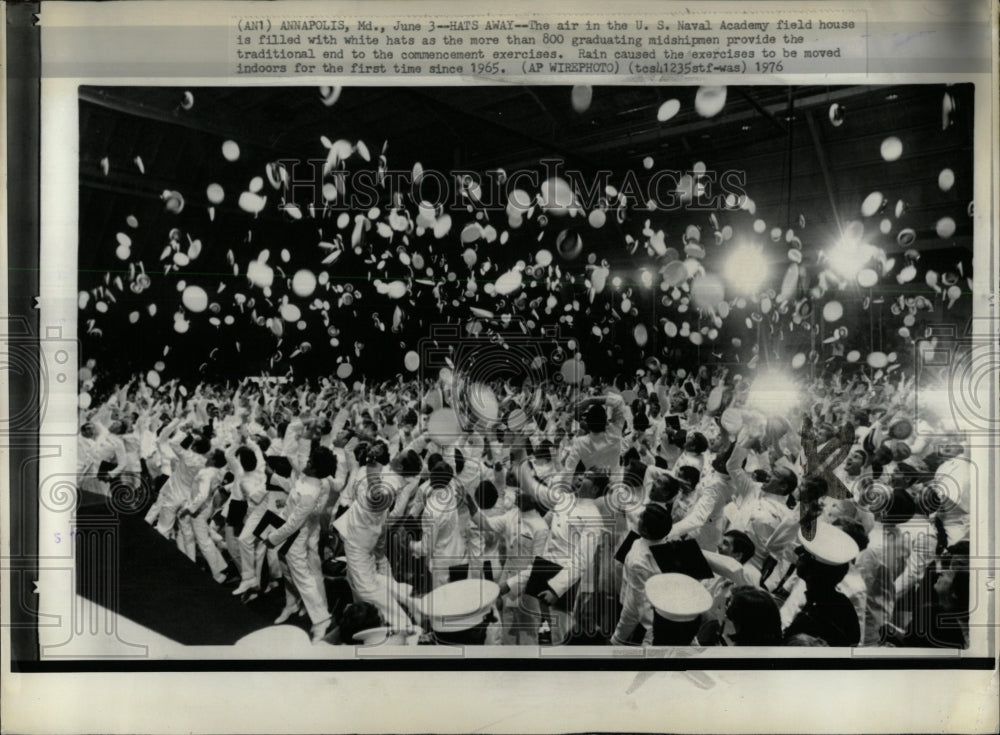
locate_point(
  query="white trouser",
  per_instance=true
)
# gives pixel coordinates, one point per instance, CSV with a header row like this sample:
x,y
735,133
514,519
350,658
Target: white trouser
x,y
252,548
368,585
635,612
197,527
304,574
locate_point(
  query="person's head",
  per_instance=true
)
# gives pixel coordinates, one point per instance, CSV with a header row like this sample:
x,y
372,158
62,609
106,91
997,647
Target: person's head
x,y
487,495
689,477
407,464
806,640
441,475
855,462
882,456
813,488
719,463
591,485
378,453
664,489
543,453
854,529
524,502
824,433
322,463
247,459
753,618
653,409
695,443
408,420
817,574
737,545
900,451
717,442
655,522
117,427
782,481
201,445
87,431
596,419
217,459
906,475
679,404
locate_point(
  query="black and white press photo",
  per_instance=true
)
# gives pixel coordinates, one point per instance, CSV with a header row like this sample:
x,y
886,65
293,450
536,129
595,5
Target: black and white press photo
x,y
386,370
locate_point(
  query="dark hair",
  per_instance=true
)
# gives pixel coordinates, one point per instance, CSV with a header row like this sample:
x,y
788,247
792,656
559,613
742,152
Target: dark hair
x,y
323,462
826,576
900,509
699,441
218,459
248,459
376,452
459,461
755,616
743,547
813,488
441,474
690,475
596,419
524,502
655,522
719,463
201,445
804,639
630,456
544,450
640,421
855,530
264,442
487,495
789,480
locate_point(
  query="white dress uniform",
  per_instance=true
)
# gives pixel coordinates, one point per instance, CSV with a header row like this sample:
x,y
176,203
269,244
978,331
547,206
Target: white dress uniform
x,y
442,541
303,566
179,488
253,488
195,525
524,536
574,537
361,528
640,565
704,521
602,451
954,477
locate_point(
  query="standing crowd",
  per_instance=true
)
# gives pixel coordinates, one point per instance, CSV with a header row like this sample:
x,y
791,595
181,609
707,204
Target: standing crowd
x,y
659,509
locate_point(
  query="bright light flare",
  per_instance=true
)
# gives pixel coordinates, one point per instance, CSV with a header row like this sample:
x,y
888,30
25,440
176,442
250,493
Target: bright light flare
x,y
774,393
746,270
848,257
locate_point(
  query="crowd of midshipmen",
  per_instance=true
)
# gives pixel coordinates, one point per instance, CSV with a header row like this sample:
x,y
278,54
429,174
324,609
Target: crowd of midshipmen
x,y
661,510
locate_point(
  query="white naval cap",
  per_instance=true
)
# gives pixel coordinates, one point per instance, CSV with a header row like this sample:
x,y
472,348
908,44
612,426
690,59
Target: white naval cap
x,y
461,605
371,636
830,545
678,597
725,566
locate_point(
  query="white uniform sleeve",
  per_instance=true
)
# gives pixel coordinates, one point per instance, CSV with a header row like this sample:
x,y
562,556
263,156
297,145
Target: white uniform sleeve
x,y
584,545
